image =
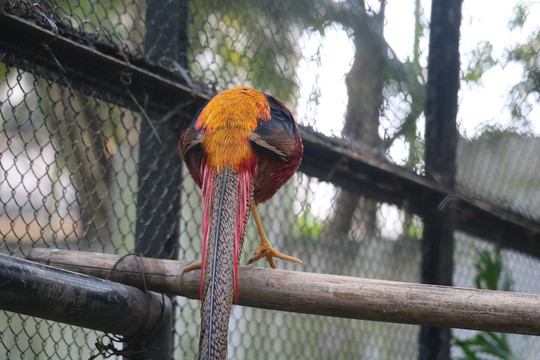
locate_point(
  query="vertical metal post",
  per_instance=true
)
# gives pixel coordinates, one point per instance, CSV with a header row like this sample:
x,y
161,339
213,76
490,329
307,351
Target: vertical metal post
x,y
158,202
440,149
160,170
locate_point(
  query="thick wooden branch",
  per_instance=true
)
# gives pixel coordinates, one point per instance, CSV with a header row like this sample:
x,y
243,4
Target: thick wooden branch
x,y
58,56
321,294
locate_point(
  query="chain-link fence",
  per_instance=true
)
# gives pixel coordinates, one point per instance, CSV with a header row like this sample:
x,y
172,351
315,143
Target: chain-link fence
x,y
88,154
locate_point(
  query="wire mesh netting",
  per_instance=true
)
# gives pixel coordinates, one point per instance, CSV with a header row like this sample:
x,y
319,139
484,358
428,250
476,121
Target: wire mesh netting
x,y
68,179
71,175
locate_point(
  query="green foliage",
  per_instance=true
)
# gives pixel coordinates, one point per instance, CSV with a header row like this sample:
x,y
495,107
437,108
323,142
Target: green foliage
x,y
413,228
489,271
489,275
309,226
525,94
521,11
407,79
485,344
481,61
249,43
527,53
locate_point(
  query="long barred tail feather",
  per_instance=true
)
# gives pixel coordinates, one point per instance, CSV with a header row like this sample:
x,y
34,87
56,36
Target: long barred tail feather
x,y
227,205
245,195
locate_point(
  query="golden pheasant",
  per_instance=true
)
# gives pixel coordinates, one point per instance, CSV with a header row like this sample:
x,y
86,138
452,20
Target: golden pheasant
x,y
240,149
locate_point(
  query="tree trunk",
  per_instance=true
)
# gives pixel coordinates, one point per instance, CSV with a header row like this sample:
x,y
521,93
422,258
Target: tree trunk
x,y
365,83
84,151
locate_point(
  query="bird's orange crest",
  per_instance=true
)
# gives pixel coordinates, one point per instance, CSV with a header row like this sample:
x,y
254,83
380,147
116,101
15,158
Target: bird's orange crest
x,y
236,108
227,120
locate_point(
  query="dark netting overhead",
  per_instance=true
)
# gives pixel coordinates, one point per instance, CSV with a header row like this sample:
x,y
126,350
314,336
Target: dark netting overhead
x,y
117,23
84,167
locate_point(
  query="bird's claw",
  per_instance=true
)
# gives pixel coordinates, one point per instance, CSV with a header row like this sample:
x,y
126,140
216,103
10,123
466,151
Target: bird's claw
x,y
268,252
194,266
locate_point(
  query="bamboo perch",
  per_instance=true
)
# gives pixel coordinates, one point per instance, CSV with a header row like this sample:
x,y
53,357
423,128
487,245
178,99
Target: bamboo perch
x,y
321,294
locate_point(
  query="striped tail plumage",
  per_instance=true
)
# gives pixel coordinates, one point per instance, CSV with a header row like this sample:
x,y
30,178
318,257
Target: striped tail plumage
x,y
227,199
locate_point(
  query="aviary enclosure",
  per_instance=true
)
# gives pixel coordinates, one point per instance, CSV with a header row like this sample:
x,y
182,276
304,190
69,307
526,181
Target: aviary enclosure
x,y
395,184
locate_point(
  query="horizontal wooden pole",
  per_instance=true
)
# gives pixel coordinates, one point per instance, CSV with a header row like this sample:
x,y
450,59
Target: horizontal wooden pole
x,y
321,294
72,298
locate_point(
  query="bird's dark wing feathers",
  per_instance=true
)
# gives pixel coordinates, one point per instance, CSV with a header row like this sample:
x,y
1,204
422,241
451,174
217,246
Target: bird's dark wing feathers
x,y
278,133
191,137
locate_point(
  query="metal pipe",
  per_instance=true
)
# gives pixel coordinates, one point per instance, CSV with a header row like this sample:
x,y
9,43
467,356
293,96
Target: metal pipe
x,y
64,296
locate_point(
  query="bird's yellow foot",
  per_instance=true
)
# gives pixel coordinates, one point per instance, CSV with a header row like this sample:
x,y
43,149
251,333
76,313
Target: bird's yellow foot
x,y
190,267
266,250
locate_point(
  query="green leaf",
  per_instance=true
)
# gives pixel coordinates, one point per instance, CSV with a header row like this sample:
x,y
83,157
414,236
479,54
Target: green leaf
x,y
489,274
521,12
481,61
309,226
